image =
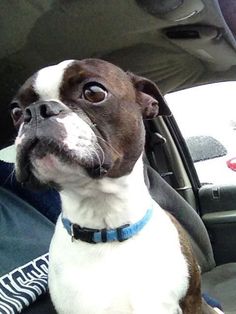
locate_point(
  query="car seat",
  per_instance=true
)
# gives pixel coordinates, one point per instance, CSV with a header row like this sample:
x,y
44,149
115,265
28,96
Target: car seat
x,y
218,281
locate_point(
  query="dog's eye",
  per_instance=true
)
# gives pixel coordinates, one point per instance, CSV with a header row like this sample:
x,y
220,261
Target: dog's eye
x,y
94,92
16,113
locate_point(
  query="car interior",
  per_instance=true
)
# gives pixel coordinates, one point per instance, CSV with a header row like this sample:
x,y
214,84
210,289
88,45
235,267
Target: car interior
x,y
176,43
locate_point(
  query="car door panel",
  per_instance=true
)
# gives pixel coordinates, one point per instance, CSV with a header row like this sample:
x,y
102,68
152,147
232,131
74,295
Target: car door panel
x,y
218,209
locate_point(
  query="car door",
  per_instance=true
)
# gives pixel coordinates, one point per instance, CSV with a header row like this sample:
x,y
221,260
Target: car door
x,y
203,124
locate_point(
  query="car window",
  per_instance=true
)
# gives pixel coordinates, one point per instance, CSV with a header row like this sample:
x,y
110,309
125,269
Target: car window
x,y
206,116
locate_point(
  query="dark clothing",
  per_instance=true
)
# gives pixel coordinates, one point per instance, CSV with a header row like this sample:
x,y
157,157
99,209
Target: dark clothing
x,y
47,202
25,237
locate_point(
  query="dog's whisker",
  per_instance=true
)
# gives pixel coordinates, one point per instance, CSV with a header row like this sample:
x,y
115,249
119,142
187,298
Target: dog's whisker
x,y
102,152
10,176
109,145
98,157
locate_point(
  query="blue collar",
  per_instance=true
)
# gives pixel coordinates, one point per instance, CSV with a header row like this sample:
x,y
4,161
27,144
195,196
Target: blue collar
x,y
97,236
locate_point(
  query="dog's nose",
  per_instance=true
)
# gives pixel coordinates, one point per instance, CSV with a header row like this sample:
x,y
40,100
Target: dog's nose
x,y
42,110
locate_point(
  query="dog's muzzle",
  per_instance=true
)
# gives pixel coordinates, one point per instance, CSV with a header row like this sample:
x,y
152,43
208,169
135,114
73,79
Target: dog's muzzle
x,y
53,134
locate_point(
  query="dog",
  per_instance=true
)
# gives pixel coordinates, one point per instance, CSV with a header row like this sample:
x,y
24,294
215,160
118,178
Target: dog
x,y
114,249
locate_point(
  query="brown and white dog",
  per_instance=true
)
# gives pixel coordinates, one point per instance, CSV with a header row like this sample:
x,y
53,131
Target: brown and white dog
x,y
81,131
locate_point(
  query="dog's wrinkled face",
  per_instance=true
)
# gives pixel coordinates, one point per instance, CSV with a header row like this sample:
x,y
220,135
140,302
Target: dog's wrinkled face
x,y
81,118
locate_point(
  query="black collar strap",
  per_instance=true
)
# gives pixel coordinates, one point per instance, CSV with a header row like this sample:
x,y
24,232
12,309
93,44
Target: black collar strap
x,y
97,236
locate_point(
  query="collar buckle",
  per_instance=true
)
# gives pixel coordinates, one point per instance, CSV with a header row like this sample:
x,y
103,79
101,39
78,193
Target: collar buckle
x,y
84,234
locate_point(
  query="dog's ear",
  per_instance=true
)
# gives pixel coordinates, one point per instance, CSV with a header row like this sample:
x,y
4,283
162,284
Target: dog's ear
x,y
149,97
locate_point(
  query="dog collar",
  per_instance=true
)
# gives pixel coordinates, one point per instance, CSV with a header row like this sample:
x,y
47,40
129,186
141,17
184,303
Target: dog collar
x,y
97,236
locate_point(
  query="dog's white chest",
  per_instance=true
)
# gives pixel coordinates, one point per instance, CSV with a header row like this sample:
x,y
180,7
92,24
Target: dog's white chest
x,y
145,274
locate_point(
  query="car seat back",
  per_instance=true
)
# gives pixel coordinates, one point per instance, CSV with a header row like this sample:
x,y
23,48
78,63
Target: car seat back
x,y
172,202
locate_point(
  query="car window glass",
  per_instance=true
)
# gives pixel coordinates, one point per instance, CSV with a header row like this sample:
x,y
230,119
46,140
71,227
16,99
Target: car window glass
x,y
206,116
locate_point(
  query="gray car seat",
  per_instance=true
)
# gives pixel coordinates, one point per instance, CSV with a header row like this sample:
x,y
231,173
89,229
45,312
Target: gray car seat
x,y
218,281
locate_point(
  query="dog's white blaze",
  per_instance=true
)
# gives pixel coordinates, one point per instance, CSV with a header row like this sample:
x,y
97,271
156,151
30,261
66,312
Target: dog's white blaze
x,y
49,79
79,134
134,276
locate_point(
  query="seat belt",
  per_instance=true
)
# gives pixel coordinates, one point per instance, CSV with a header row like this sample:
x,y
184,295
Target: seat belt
x,y
156,155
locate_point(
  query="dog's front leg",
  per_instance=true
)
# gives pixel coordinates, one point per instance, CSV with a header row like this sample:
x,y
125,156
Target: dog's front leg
x,y
190,306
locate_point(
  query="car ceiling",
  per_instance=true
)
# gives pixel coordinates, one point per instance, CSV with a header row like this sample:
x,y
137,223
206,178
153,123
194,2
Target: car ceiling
x,y
176,43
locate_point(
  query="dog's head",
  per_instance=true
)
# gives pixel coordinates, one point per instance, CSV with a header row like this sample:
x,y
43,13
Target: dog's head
x,y
81,118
